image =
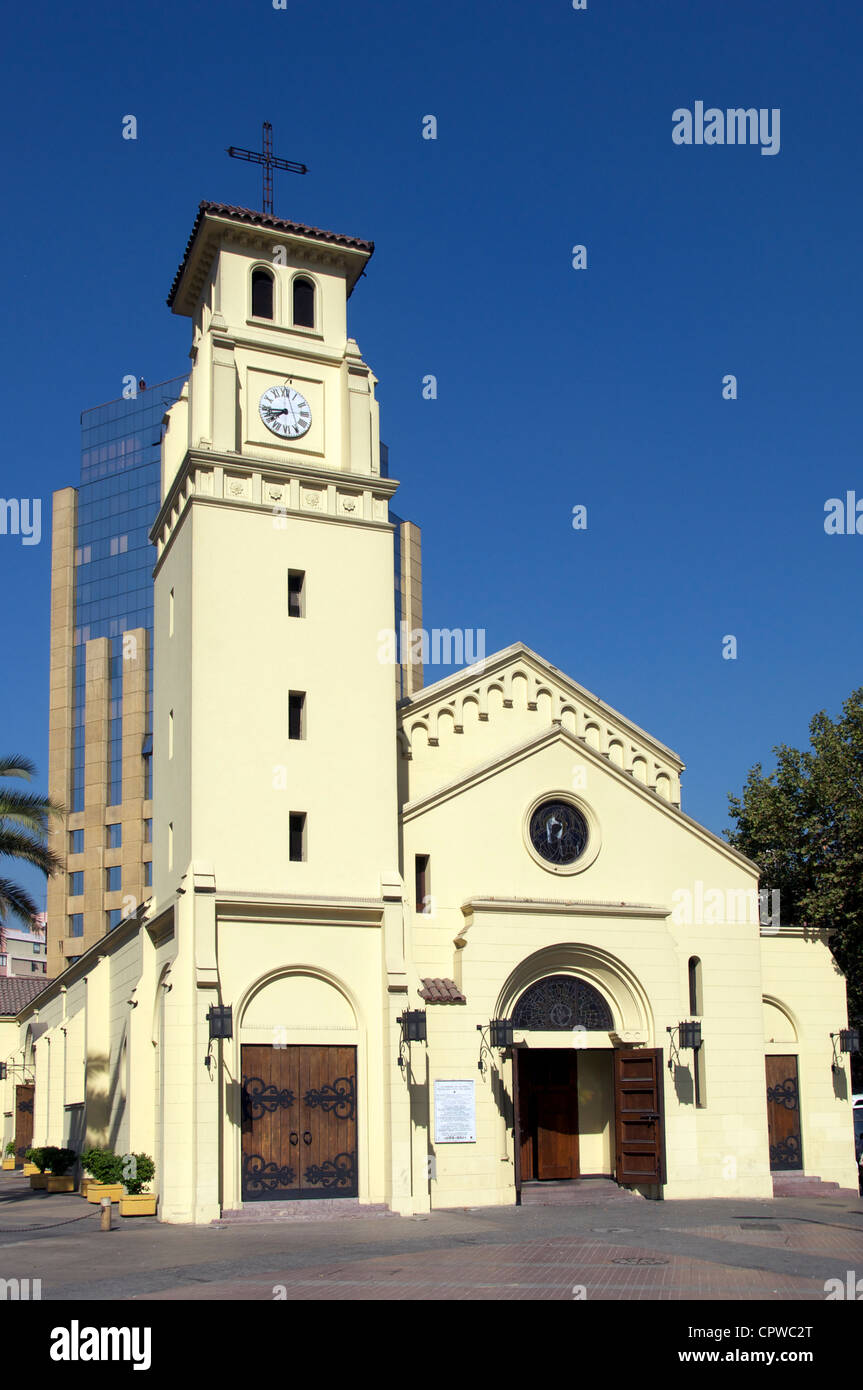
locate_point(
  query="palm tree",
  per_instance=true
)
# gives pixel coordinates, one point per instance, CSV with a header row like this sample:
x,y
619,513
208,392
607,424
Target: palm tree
x,y
24,827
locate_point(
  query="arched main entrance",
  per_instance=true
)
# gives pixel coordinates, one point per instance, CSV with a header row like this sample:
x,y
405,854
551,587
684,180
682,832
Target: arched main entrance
x,y
587,1102
565,1089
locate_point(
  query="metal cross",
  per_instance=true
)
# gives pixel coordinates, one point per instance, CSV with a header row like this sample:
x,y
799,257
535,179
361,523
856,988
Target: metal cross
x,y
269,161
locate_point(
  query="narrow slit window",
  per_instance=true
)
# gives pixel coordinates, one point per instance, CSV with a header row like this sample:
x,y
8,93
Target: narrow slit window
x,y
695,1000
304,303
296,593
296,714
262,294
422,878
297,835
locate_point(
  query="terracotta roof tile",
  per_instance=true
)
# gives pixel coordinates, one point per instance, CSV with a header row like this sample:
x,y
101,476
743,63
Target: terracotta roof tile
x,y
17,990
441,992
262,219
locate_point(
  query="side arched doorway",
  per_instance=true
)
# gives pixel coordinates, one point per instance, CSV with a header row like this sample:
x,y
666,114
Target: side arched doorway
x,y
298,1091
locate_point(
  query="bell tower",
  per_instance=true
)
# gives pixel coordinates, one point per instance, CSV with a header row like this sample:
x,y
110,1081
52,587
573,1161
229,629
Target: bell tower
x,y
274,703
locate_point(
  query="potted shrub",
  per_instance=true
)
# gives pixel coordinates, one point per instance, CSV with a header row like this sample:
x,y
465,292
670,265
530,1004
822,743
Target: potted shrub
x,y
39,1179
106,1174
94,1167
59,1163
9,1156
138,1169
29,1166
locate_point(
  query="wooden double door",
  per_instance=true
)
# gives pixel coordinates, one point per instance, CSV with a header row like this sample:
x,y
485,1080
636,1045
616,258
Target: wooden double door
x,y
546,1108
299,1122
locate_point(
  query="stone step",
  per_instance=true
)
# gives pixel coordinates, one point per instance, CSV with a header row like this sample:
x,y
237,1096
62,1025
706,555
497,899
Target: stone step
x,y
318,1209
577,1192
803,1185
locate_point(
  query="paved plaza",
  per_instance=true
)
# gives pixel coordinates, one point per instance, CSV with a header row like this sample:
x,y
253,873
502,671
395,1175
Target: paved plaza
x,y
784,1249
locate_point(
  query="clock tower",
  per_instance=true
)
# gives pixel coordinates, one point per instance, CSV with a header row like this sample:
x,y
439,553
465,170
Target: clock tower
x,y
274,702
276,848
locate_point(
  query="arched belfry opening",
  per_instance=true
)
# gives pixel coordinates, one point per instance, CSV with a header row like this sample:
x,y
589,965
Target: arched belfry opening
x,y
262,294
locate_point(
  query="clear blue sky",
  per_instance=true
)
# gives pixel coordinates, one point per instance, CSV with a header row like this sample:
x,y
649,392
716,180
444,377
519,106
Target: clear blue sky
x,y
556,387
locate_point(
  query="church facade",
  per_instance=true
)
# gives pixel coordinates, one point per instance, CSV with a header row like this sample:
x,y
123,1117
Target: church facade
x,y
419,952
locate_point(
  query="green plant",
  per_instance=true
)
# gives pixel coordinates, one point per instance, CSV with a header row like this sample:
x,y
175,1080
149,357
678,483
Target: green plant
x,y
103,1165
10,1149
37,1156
140,1169
25,824
58,1160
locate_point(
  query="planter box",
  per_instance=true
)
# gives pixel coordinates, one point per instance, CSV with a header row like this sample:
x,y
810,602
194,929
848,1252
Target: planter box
x,y
139,1204
8,1165
60,1182
97,1190
29,1169
85,1184
38,1181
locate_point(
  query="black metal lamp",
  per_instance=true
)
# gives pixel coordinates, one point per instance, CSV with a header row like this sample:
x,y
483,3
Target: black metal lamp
x,y
690,1035
500,1033
221,1017
2,1071
846,1040
413,1022
413,1026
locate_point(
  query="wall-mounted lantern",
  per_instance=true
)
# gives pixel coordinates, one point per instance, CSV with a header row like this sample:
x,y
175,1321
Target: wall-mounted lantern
x,y
849,1041
414,1029
221,1019
685,1035
500,1034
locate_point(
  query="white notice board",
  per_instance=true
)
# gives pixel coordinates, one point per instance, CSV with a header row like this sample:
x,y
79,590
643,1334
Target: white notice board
x,y
454,1112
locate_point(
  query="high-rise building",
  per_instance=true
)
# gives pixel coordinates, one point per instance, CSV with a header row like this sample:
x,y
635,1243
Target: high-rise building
x,y
22,949
102,672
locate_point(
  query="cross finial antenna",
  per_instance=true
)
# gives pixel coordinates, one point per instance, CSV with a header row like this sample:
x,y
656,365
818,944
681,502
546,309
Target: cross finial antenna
x,y
269,162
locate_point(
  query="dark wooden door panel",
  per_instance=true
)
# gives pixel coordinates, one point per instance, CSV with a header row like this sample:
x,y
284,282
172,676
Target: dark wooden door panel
x,y
548,1114
783,1114
24,1103
556,1135
328,1122
269,1169
638,1115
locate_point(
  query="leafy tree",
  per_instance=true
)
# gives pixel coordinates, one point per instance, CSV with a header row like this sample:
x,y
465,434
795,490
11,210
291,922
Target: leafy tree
x,y
803,825
24,825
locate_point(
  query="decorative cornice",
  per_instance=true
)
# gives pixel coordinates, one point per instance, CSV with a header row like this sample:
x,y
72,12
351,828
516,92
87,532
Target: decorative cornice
x,y
574,907
518,651
250,477
364,912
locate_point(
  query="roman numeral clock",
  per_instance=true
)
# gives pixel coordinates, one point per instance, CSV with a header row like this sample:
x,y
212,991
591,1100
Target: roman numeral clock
x,y
285,412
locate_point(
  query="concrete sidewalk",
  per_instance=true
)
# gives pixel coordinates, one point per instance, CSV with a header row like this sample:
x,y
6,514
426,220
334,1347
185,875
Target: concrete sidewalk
x,y
712,1250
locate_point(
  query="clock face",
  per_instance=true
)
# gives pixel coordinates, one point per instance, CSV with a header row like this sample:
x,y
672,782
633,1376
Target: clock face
x,y
558,832
285,412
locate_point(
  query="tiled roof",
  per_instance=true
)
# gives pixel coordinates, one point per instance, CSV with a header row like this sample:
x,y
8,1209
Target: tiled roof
x,y
262,219
18,990
441,992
